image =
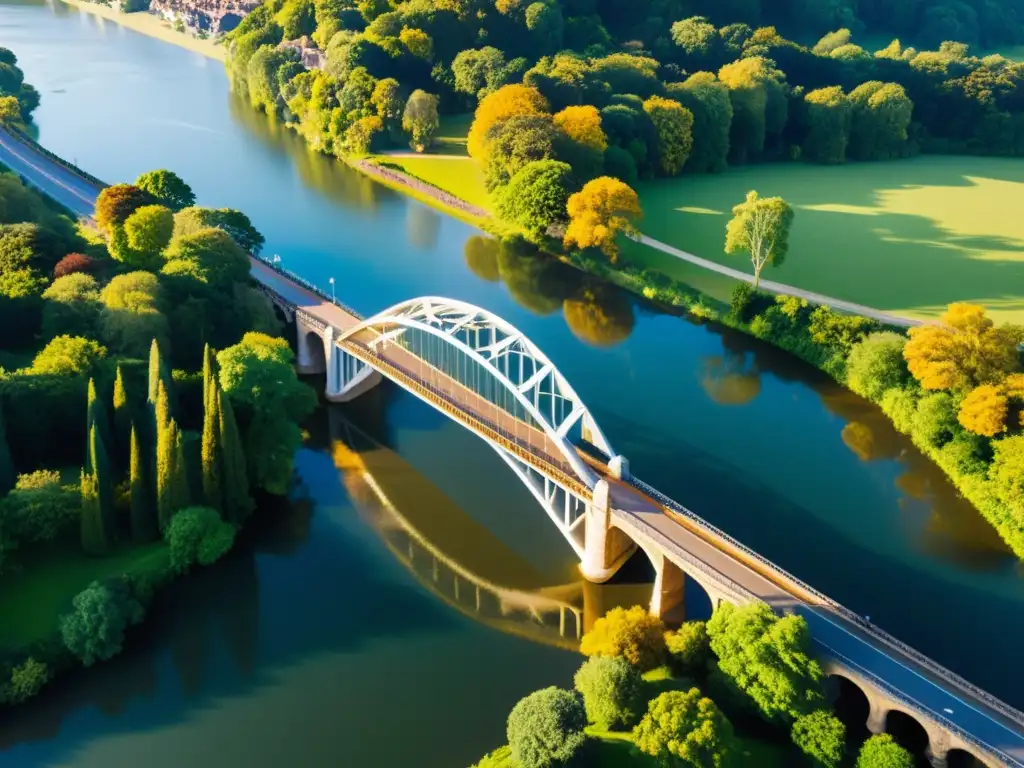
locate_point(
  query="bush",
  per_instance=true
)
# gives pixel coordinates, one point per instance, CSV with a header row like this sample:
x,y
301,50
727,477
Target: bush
x,y
967,454
73,263
26,681
612,691
71,305
1007,471
198,535
689,647
546,728
876,364
746,302
633,634
94,629
882,751
822,737
68,356
686,729
39,508
838,332
935,421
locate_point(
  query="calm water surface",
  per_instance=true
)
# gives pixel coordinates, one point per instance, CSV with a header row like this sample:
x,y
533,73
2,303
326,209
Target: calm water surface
x,y
328,629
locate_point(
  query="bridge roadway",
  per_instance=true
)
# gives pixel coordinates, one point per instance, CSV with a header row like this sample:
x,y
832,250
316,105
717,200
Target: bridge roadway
x,y
916,684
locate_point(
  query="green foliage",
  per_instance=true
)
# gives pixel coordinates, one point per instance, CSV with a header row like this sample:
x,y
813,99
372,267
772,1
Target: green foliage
x,y
632,634
144,523
935,422
189,221
38,508
198,535
537,194
147,232
211,256
689,647
707,98
27,679
172,488
828,125
766,660
420,119
838,332
876,364
822,737
100,614
97,528
1007,471
514,143
238,504
546,728
673,126
28,253
760,226
71,305
68,356
7,479
686,729
116,203
131,317
900,406
882,751
167,188
612,691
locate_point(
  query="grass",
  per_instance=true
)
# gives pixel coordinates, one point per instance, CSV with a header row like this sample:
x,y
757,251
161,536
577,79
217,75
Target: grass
x,y
906,237
459,176
451,135
42,589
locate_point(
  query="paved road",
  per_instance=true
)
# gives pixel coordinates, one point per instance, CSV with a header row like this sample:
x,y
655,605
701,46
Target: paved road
x,y
682,535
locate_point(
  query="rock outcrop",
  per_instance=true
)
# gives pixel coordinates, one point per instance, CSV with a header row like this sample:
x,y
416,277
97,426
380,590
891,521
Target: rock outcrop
x,y
310,56
213,17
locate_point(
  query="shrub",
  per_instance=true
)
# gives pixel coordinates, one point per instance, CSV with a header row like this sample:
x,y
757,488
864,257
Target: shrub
x,y
822,737
39,508
686,729
72,263
876,364
68,356
935,420
27,680
967,454
612,691
633,634
546,728
94,629
689,647
838,332
742,295
900,405
1007,470
882,751
71,306
198,535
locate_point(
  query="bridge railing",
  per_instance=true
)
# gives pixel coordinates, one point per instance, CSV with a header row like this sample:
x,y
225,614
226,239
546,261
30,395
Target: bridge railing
x,y
24,138
305,284
794,585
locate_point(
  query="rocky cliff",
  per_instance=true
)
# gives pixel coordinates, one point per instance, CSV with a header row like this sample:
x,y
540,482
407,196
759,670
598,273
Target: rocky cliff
x,y
210,16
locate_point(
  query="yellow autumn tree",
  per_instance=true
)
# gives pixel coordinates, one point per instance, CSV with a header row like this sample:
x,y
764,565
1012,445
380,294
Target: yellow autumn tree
x,y
984,410
582,125
599,212
965,350
417,42
673,125
506,102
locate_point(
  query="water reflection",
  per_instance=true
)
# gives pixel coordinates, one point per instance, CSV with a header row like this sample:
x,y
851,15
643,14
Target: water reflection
x,y
730,379
422,224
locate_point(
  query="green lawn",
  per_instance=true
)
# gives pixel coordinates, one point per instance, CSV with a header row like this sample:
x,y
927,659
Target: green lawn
x,y
32,598
458,175
451,135
907,236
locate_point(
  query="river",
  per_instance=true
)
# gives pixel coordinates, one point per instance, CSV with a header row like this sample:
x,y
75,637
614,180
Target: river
x,y
322,635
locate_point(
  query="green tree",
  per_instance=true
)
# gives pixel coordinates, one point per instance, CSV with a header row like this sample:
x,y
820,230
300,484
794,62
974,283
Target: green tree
x,y
148,231
171,478
94,629
188,221
420,119
96,416
766,660
758,94
145,526
95,539
212,449
122,417
514,143
167,188
388,103
546,728
822,737
689,647
828,125
876,364
882,751
71,305
238,504
612,691
760,226
68,356
673,125
198,535
707,98
537,195
633,634
116,203
7,474
479,71
131,317
880,115
27,679
210,255
39,508
686,729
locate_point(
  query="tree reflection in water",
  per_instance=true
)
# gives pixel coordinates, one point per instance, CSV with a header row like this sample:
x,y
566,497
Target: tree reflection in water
x,y
599,314
422,224
730,379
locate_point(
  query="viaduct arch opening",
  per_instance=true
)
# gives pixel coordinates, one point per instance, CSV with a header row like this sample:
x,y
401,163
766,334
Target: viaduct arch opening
x,y
311,355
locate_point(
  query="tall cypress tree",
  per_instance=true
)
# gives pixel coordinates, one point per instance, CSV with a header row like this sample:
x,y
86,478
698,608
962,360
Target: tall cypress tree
x,y
145,526
171,478
155,375
7,474
95,539
212,450
123,426
238,503
100,460
209,375
96,416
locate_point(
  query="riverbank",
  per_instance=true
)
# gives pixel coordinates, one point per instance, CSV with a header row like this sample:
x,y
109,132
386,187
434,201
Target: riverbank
x,y
153,26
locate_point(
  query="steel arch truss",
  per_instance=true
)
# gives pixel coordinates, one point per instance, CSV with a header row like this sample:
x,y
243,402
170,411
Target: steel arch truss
x,y
539,391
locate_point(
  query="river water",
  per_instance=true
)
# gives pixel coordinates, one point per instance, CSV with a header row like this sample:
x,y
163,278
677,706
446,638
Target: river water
x,y
350,614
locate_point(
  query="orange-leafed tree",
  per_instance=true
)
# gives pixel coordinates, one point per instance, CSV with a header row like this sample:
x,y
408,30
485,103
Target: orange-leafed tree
x,y
599,212
965,350
506,102
117,203
984,410
582,125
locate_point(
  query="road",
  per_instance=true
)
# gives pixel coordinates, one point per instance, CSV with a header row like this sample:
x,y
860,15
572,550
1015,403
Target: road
x,y
925,687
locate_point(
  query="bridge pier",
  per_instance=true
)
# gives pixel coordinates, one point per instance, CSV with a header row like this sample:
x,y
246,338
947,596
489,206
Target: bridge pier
x,y
605,547
668,594
348,377
877,715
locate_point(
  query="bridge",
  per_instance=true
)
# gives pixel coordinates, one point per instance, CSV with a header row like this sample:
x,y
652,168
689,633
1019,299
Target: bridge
x,y
484,374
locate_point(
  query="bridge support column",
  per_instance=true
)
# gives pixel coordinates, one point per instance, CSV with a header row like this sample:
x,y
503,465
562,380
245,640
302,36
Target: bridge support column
x,y
876,715
308,359
938,748
348,377
667,597
606,548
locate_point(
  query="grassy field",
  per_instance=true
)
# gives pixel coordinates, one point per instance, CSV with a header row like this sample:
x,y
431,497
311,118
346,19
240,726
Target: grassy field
x,y
906,237
457,175
43,588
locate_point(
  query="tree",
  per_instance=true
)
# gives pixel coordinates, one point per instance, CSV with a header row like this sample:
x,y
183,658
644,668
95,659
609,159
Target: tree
x,y
71,306
479,71
148,231
171,478
27,679
882,751
122,416
766,660
514,143
689,647
387,101
144,523
39,508
212,450
95,539
707,98
359,136
508,101
828,125
612,691
965,350
599,212
880,115
1007,471
537,195
420,119
417,42
760,226
582,125
94,629
876,364
131,316
697,37
758,96
984,410
822,737
830,41
72,263
68,356
116,203
10,112
198,535
188,221
686,729
633,634
7,474
96,416
673,124
546,728
167,188
213,255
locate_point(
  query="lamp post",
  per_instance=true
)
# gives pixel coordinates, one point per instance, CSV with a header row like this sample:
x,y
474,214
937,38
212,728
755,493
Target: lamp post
x,y
333,298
